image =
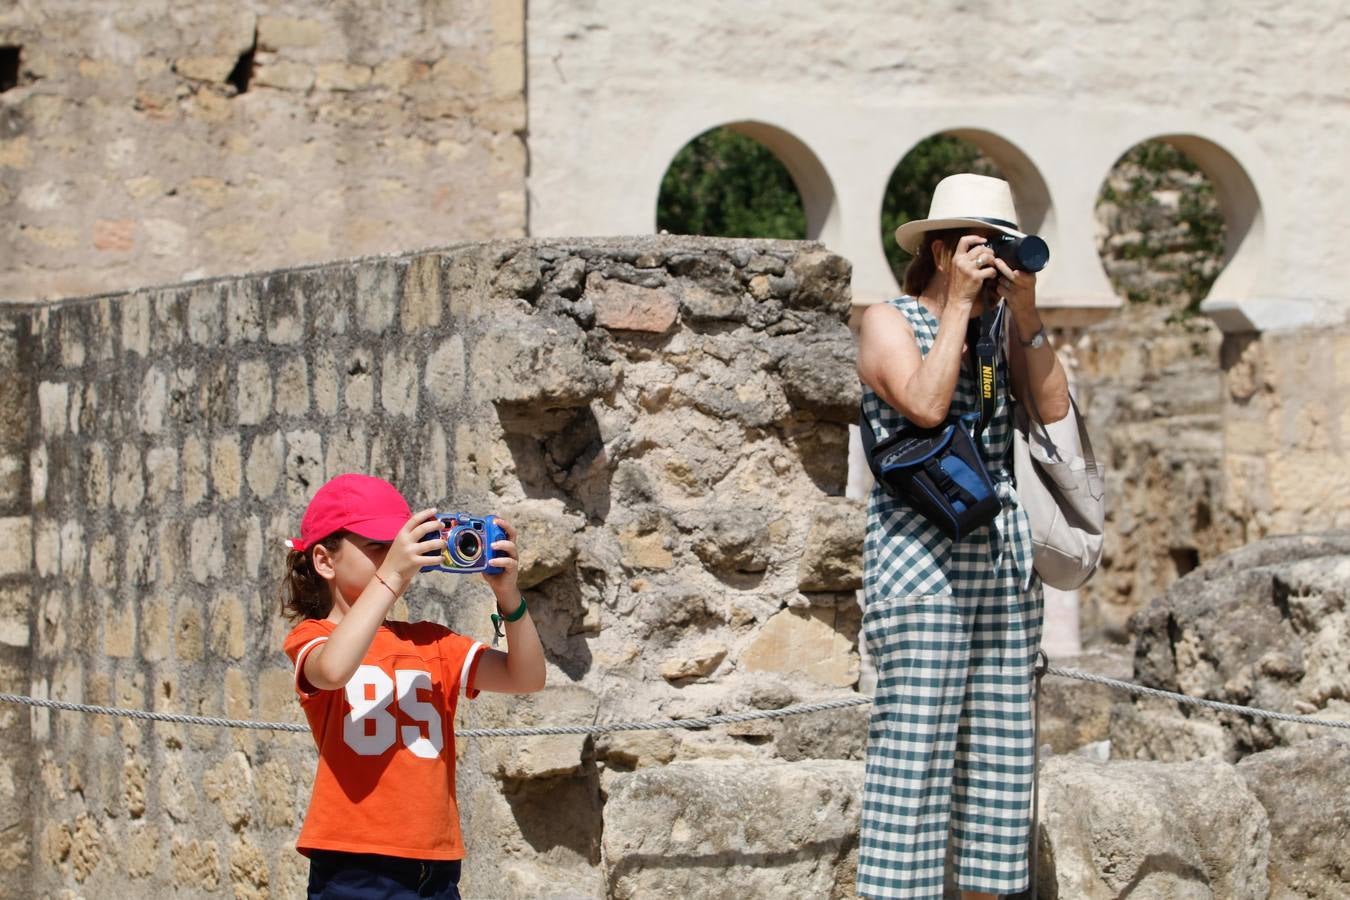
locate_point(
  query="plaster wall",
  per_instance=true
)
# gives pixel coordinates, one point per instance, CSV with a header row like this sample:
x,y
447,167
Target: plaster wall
x,y
133,152
1054,92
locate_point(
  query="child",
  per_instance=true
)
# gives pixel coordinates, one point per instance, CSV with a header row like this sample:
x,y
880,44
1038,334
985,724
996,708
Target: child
x,y
380,696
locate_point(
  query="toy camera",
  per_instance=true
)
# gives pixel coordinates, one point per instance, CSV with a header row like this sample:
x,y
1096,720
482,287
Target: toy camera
x,y
468,544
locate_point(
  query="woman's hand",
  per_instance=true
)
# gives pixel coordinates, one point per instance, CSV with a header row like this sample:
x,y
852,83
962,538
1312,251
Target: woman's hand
x,y
1018,289
411,549
505,557
970,269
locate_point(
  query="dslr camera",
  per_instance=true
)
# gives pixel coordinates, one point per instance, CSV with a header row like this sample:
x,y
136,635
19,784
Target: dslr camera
x,y
1027,254
468,544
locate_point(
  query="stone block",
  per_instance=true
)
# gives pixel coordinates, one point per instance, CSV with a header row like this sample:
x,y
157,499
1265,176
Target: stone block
x,y
189,639
196,472
229,786
820,377
304,466
1158,731
805,642
292,388
692,830
118,235
699,662
730,537
445,373
540,363
620,306
276,789
376,296
832,557
277,701
1153,829
249,877
398,383
15,603
420,308
53,401
196,864
228,622
155,628
359,390
822,282
636,749
546,539
649,550
226,467
143,852
265,460
254,380
549,756
161,471
1303,789
16,545
341,77
287,32
283,75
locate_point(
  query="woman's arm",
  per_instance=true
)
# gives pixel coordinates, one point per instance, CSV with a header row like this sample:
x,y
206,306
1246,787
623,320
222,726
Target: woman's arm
x,y
520,670
1036,373
889,361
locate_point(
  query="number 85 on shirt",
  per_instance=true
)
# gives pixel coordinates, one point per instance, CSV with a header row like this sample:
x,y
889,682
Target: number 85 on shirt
x,y
371,727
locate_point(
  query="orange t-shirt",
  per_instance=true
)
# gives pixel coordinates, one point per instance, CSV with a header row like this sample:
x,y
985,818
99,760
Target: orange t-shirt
x,y
386,776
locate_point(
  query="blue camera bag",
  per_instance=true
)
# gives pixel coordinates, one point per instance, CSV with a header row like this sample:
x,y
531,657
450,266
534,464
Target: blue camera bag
x,y
940,471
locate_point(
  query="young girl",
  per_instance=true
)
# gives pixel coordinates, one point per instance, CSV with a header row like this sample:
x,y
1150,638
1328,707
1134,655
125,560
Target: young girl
x,y
380,696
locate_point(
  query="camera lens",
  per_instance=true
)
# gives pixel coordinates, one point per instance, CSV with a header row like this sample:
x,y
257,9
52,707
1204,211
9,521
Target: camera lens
x,y
468,546
1032,254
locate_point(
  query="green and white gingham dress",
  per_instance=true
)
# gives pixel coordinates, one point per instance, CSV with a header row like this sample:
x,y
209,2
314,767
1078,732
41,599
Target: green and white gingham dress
x,y
953,629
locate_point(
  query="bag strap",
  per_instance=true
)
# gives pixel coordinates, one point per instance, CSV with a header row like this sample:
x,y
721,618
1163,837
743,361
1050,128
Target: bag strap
x,y
986,365
986,381
1085,442
869,441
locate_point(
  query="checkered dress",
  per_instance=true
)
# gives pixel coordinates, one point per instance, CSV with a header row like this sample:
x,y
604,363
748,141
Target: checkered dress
x,y
953,629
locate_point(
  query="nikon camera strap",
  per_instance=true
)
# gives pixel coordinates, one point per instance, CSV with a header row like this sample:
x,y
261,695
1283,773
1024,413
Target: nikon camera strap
x,y
986,364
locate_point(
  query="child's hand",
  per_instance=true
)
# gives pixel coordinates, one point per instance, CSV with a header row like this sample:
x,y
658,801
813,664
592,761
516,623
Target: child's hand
x,y
505,557
411,550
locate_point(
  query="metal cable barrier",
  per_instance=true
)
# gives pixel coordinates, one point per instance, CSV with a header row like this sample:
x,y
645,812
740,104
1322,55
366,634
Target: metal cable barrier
x,y
665,724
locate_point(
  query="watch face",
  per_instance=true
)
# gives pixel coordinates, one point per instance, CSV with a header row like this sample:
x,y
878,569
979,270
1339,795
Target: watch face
x,y
1037,339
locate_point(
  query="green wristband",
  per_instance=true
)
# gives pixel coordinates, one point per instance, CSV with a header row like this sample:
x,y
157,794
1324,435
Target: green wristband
x,y
498,619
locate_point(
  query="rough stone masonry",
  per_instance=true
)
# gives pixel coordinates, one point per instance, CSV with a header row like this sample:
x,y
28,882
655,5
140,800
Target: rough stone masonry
x,y
664,419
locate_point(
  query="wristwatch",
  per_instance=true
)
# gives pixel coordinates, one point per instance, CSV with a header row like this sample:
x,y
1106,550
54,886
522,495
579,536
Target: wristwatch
x,y
1036,339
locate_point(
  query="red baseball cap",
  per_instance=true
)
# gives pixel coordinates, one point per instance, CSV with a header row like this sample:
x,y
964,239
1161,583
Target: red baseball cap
x,y
361,504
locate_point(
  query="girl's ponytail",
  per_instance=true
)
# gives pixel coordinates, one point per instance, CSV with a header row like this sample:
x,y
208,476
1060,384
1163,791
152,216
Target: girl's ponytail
x,y
304,593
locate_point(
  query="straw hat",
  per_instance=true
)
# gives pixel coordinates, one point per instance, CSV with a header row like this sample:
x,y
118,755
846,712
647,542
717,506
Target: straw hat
x,y
965,200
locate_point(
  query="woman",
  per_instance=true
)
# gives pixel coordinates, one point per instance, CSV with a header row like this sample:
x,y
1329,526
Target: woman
x,y
952,627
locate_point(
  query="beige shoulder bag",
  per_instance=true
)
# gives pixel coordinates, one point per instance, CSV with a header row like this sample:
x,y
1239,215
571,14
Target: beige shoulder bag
x,y
1062,487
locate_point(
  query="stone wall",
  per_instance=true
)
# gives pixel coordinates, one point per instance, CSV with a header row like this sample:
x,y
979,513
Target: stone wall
x,y
1287,430
16,602
665,419
1152,392
152,142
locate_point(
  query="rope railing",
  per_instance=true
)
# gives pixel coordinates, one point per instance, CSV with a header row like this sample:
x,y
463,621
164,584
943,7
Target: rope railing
x,y
667,724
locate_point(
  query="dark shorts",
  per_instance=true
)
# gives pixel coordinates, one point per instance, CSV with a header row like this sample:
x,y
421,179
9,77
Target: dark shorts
x,y
366,876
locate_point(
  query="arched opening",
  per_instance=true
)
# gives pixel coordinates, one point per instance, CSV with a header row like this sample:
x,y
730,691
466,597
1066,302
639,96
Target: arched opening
x,y
747,179
910,186
1163,235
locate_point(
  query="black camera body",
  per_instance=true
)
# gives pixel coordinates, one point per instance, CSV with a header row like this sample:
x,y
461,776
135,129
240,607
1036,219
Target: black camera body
x,y
1026,254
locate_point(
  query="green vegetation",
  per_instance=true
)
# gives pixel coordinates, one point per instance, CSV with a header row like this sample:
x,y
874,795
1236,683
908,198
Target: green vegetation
x,y
1164,234
725,184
